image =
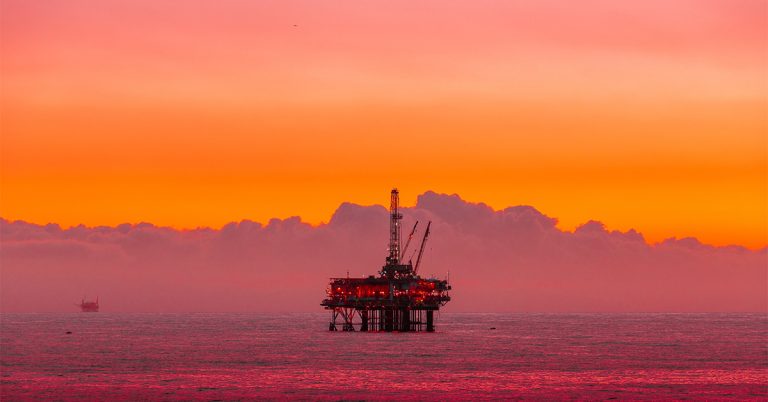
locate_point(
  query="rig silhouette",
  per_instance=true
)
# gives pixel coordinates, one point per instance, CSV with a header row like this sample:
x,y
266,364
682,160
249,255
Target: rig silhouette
x,y
398,299
89,306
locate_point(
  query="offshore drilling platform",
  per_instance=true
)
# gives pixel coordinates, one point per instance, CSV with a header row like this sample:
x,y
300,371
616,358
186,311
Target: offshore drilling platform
x,y
396,300
89,306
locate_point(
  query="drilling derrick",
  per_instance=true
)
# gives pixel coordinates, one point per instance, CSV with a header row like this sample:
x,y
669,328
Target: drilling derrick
x,y
394,228
396,300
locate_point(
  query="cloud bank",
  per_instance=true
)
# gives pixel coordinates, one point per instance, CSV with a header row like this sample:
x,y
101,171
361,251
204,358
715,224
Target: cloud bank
x,y
509,260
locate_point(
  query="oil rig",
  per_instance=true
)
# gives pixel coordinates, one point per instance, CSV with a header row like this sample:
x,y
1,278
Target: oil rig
x,y
398,299
89,306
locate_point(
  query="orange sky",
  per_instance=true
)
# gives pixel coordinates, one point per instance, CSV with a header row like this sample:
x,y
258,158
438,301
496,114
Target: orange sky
x,y
648,115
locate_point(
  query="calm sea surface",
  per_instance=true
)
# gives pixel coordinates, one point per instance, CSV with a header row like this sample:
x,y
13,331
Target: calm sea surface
x,y
111,356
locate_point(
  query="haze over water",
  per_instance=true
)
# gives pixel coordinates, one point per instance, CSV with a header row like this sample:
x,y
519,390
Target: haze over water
x,y
120,356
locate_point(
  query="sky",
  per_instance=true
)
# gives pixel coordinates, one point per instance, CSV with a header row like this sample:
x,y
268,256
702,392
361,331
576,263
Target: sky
x,y
646,115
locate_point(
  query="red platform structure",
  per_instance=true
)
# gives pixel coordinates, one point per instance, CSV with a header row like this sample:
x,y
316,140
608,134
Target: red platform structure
x,y
396,300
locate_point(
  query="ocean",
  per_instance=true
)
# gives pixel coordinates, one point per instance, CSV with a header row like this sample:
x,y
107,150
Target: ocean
x,y
223,356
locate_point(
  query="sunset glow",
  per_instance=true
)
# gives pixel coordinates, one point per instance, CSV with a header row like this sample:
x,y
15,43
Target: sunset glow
x,y
648,115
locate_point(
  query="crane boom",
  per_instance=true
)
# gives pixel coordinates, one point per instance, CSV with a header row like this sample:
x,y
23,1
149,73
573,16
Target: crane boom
x,y
408,242
421,250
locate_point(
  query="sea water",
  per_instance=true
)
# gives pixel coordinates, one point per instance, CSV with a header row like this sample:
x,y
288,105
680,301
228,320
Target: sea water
x,y
118,356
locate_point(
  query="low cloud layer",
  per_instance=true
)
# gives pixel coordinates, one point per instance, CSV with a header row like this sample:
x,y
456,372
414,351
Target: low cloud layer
x,y
509,260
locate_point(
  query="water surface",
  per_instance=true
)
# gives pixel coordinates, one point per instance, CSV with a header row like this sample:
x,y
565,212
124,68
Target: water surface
x,y
293,356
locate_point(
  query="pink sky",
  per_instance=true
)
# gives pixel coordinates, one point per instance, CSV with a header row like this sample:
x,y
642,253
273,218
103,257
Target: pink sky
x,y
648,116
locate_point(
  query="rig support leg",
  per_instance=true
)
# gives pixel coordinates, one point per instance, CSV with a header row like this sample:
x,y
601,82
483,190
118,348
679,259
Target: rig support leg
x,y
348,314
430,321
364,318
389,318
381,320
332,325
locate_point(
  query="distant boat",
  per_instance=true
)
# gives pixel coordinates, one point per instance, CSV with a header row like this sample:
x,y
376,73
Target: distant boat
x,y
89,306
